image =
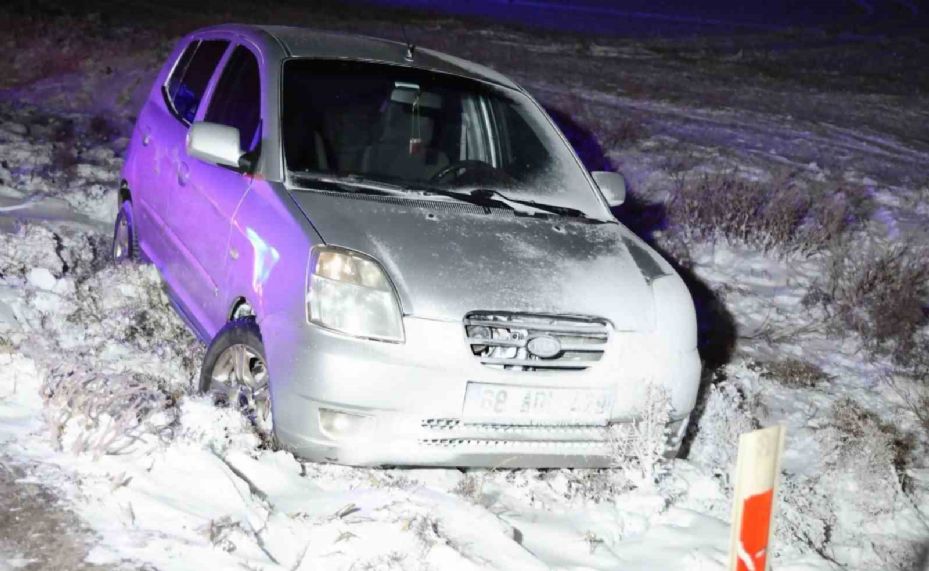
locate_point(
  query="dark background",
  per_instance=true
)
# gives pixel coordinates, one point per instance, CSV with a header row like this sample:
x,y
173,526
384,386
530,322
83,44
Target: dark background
x,y
602,17
675,17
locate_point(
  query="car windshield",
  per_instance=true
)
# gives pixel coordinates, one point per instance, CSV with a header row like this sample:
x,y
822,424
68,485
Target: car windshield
x,y
422,129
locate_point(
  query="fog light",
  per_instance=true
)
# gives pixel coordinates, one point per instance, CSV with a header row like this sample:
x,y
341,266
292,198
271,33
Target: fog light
x,y
340,425
479,332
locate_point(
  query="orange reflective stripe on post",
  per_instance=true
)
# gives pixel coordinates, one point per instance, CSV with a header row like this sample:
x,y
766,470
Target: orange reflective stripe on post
x,y
756,478
756,527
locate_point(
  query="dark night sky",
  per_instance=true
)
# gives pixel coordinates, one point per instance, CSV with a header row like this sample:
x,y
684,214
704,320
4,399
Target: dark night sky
x,y
647,17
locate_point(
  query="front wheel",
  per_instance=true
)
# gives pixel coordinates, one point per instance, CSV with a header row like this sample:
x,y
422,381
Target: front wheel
x,y
235,373
125,237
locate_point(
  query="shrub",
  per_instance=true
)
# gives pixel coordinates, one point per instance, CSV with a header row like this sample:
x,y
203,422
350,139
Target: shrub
x,y
726,413
863,466
805,515
428,532
715,206
108,414
783,214
868,446
880,292
595,485
838,210
795,373
638,448
911,381
471,487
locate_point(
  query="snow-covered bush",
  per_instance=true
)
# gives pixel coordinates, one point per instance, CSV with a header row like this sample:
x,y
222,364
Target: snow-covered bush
x,y
835,210
726,415
784,214
595,485
90,314
880,292
841,504
795,373
107,413
805,517
639,448
127,304
842,510
916,370
876,452
471,486
717,206
31,246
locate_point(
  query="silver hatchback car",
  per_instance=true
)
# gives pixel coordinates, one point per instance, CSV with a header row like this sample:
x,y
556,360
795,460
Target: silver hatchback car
x,y
395,256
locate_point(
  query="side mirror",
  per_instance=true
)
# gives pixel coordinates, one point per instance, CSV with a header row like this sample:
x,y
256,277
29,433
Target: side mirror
x,y
612,185
214,143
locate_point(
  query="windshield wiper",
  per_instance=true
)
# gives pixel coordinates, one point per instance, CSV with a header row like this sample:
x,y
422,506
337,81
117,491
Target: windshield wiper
x,y
358,183
484,197
537,206
485,201
355,183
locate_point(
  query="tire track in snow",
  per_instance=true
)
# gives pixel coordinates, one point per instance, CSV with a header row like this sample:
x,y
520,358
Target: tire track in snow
x,y
754,133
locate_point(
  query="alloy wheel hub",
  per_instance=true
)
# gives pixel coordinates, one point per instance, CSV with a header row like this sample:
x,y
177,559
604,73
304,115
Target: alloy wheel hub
x,y
240,378
121,241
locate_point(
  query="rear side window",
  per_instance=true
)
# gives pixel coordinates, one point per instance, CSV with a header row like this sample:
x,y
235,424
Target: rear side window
x,y
236,102
190,76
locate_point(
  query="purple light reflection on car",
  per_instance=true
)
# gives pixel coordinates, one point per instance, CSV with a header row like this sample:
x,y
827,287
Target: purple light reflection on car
x,y
396,261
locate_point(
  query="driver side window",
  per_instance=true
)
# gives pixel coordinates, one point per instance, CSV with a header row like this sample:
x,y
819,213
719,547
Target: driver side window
x,y
190,76
236,101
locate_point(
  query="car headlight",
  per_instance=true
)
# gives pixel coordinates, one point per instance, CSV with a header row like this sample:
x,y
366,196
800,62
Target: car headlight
x,y
350,293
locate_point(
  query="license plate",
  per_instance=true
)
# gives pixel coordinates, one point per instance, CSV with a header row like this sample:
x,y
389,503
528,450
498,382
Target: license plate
x,y
485,402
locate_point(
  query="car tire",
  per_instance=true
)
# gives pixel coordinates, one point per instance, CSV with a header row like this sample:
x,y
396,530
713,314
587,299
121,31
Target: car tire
x,y
125,237
235,373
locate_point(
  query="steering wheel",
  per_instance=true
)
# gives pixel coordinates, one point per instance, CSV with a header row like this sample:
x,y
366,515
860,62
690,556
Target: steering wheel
x,y
459,167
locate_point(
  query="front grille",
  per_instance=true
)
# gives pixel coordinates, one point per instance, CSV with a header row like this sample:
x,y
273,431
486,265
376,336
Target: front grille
x,y
505,340
560,445
544,438
561,430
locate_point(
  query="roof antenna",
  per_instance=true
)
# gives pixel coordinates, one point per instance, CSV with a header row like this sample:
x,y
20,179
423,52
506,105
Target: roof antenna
x,y
410,46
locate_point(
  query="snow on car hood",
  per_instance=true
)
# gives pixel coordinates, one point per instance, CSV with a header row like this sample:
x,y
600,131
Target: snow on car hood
x,y
449,258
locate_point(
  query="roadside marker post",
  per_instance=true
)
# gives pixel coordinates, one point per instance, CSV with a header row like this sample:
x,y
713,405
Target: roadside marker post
x,y
753,504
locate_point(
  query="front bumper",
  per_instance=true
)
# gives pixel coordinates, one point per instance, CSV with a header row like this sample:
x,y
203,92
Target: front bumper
x,y
411,397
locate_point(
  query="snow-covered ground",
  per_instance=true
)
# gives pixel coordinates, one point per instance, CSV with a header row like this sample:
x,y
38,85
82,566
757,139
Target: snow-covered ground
x,y
98,409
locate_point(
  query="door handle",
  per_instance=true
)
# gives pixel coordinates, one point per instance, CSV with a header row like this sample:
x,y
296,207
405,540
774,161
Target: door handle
x,y
183,173
146,136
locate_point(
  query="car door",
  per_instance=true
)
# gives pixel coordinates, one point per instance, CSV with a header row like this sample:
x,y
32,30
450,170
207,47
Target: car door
x,y
160,133
147,152
211,193
166,133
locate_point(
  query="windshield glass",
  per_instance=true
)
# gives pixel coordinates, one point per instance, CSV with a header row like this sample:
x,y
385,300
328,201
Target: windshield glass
x,y
424,130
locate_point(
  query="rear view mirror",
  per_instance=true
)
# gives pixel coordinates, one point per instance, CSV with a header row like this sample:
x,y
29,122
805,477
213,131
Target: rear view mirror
x,y
410,94
214,143
612,185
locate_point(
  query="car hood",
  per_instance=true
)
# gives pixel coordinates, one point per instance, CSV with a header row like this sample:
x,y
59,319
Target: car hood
x,y
447,259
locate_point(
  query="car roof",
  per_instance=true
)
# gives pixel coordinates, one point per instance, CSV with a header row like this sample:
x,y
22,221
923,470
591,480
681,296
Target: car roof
x,y
307,42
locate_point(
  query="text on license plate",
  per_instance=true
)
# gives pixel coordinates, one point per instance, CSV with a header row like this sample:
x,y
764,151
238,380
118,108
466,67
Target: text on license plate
x,y
485,401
